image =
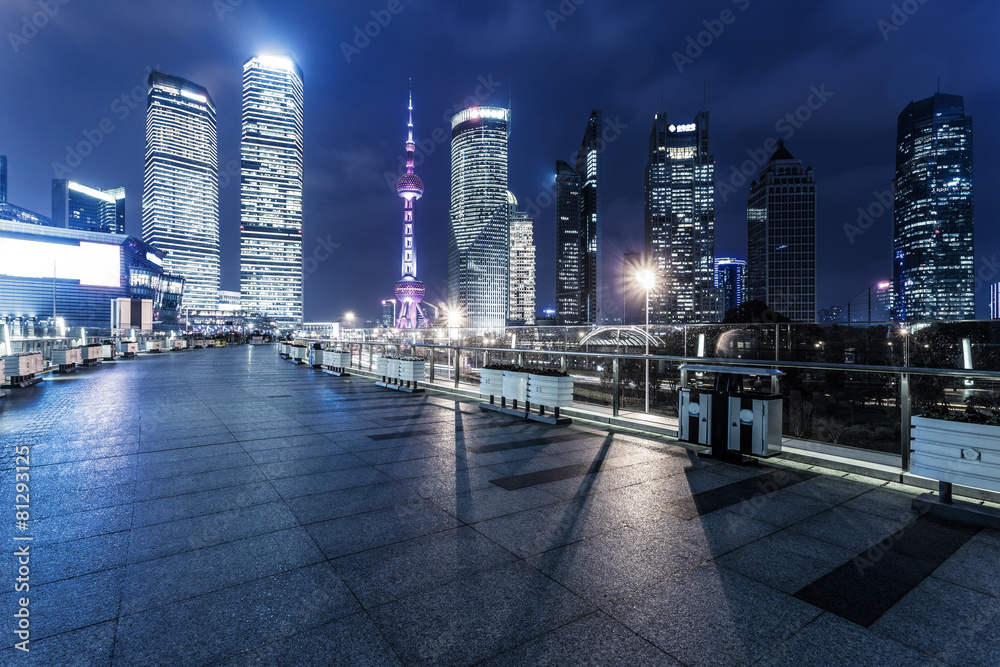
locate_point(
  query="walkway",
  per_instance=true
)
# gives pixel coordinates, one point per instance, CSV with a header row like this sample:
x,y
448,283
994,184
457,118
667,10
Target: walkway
x,y
224,506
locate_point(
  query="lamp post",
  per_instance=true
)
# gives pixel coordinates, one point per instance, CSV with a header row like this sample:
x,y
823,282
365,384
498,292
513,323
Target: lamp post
x,y
646,280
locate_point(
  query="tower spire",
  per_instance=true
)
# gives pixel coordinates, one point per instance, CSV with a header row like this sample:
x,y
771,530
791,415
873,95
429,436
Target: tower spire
x,y
409,290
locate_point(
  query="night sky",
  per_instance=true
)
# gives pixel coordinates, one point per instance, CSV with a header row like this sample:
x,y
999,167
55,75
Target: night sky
x,y
556,61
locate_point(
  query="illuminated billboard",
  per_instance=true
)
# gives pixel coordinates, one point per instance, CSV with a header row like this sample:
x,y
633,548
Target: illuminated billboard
x,y
92,264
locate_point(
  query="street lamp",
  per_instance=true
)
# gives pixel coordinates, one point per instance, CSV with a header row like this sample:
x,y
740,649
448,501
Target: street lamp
x,y
647,280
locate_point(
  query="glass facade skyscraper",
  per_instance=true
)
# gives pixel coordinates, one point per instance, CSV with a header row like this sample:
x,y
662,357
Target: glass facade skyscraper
x,y
680,221
933,249
76,206
578,230
522,266
271,189
479,231
731,281
781,237
180,197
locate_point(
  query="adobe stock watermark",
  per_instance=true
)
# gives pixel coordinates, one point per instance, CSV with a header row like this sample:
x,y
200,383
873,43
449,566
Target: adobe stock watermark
x,y
428,145
562,13
546,196
986,271
363,35
786,127
223,7
120,108
898,17
696,44
32,24
322,251
868,215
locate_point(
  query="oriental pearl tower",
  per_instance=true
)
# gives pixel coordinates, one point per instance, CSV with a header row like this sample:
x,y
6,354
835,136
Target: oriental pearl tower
x,y
409,290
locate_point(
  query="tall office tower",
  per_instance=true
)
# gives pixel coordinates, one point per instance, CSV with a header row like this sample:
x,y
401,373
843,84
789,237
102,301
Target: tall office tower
x,y
3,178
569,255
680,221
933,272
180,195
731,281
633,296
522,266
578,230
479,236
781,237
271,150
388,312
87,209
409,290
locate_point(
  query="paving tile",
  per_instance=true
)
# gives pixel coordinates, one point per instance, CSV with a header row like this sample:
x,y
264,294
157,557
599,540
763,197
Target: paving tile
x,y
391,572
489,503
830,640
352,641
87,647
164,539
785,561
596,639
884,503
65,560
334,480
192,483
345,502
172,578
781,508
969,565
713,616
615,564
477,616
852,530
66,527
953,623
360,532
830,489
223,623
173,508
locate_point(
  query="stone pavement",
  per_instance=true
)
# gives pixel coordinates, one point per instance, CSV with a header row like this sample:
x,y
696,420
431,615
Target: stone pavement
x,y
224,506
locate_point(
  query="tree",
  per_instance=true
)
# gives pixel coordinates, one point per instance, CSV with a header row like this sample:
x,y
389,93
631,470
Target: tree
x,y
754,312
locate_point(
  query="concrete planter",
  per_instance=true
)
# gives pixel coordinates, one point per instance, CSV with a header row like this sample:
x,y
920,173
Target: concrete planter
x,y
315,358
21,365
552,392
210,342
128,348
284,350
92,353
382,369
392,369
333,359
152,346
491,382
67,357
515,386
179,344
411,371
956,452
298,353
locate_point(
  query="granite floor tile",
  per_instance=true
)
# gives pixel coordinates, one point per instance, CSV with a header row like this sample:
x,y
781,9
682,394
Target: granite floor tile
x,y
785,561
359,532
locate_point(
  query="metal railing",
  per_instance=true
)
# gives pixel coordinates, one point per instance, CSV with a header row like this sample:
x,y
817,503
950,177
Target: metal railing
x,y
870,402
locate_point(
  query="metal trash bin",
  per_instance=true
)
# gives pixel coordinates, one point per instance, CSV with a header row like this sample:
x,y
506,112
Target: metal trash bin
x,y
694,416
755,423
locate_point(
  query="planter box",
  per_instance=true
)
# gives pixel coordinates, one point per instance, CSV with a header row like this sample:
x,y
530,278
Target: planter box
x,y
392,369
956,452
333,359
199,343
128,347
108,351
210,342
411,371
515,386
382,367
298,353
552,392
315,357
68,356
179,344
491,382
92,353
283,349
21,365
152,346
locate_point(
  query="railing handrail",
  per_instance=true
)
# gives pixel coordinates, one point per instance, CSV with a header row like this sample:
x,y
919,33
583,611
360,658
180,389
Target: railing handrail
x,y
803,365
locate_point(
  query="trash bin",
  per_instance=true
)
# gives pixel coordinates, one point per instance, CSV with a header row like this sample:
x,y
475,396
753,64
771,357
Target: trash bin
x,y
728,418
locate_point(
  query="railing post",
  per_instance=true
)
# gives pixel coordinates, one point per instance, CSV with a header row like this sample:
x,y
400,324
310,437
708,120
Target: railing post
x,y
458,356
563,364
904,419
371,354
615,401
777,342
520,359
430,371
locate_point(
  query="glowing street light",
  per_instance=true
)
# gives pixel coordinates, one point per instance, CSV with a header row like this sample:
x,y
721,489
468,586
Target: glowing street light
x,y
647,281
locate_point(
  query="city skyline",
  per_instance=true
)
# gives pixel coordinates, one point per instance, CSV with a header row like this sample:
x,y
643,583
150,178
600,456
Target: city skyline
x,y
848,132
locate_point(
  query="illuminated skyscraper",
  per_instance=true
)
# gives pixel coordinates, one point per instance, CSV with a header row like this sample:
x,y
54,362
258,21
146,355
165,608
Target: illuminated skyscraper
x,y
578,230
933,251
781,237
479,235
271,189
680,221
522,266
731,281
180,196
86,209
409,290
